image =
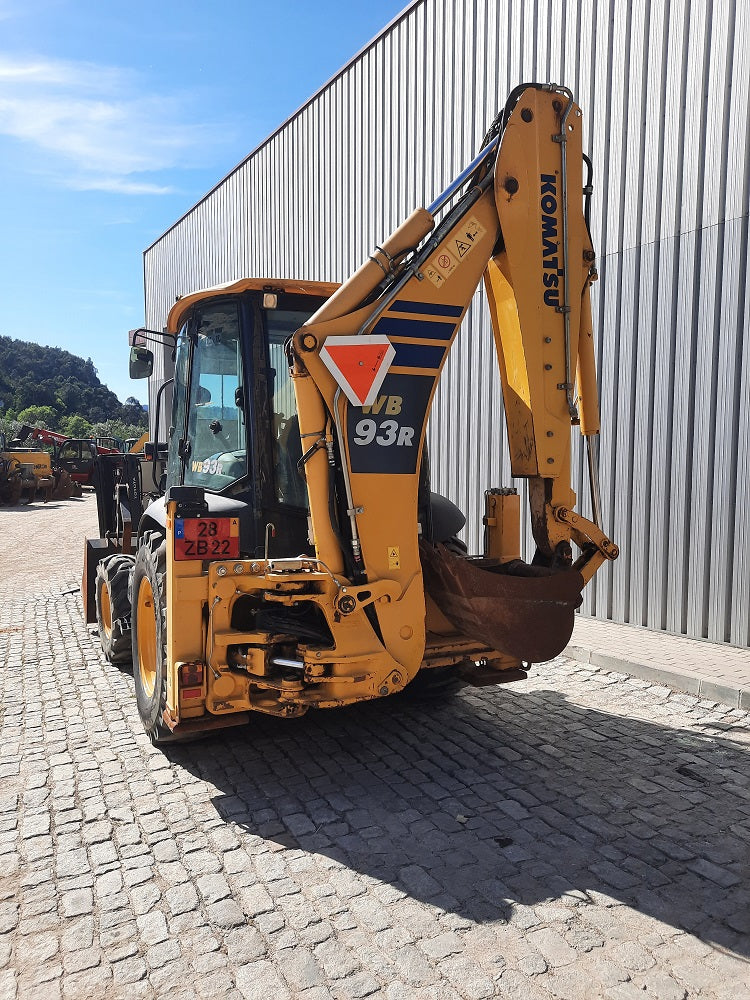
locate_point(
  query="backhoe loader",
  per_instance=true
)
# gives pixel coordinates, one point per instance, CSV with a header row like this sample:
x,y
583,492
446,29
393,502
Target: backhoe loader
x,y
297,556
31,467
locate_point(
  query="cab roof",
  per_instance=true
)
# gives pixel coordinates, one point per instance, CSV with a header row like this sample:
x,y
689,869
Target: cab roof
x,y
177,313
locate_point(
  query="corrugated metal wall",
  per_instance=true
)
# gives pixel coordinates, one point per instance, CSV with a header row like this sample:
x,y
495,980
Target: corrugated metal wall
x,y
664,88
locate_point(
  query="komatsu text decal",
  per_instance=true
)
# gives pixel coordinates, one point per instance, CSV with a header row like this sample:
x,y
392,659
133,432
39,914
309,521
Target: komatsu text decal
x,y
550,243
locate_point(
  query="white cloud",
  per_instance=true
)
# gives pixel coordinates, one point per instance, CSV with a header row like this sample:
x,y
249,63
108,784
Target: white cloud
x,y
118,185
95,127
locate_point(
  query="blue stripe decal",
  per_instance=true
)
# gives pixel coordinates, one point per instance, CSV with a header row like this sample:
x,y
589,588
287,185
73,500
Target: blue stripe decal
x,y
416,328
426,308
418,356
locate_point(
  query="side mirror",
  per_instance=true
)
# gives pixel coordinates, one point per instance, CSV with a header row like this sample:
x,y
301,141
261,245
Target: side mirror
x,y
141,362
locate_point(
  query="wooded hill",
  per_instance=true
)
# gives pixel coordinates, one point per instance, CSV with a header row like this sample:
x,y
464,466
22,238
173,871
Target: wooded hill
x,y
57,386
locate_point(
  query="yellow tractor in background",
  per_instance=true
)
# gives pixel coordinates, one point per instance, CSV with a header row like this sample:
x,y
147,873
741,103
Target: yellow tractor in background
x,y
298,558
25,473
11,476
43,474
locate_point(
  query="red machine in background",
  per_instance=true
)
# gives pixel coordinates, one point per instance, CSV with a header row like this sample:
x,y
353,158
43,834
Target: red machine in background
x,y
74,455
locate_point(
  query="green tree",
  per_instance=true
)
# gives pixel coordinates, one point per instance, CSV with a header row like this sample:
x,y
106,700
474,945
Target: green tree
x,y
9,427
39,416
76,426
117,429
32,375
133,413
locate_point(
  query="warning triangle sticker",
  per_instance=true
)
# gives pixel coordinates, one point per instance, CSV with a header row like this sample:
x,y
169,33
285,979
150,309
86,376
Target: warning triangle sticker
x,y
359,365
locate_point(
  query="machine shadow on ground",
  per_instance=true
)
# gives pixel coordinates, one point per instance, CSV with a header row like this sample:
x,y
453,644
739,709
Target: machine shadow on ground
x,y
38,505
495,798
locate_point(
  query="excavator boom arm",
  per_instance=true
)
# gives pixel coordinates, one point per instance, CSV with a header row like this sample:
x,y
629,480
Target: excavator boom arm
x,y
366,366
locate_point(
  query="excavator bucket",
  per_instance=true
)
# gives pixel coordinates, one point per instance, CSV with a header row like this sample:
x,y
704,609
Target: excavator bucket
x,y
528,614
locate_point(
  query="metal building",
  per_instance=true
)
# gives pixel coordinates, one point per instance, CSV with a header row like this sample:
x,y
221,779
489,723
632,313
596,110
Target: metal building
x,y
664,85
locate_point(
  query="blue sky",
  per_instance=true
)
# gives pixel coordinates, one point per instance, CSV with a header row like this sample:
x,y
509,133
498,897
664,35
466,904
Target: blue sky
x,y
116,117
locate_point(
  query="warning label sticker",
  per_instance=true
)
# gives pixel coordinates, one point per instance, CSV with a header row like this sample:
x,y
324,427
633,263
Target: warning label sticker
x,y
394,557
440,267
473,230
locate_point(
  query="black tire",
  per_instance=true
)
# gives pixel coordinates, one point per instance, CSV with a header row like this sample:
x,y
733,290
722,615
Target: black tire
x,y
113,606
148,596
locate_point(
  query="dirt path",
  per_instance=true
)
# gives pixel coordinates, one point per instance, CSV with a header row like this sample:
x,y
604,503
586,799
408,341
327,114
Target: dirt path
x,y
41,545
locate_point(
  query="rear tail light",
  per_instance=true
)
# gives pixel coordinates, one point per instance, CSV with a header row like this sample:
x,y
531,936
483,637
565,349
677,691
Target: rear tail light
x,y
191,675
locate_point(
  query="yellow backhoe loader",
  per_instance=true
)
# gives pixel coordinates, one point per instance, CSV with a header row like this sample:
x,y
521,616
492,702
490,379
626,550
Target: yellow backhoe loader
x,y
297,557
24,473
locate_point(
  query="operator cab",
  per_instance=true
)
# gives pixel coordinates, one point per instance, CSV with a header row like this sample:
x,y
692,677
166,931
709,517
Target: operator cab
x,y
77,456
233,428
226,384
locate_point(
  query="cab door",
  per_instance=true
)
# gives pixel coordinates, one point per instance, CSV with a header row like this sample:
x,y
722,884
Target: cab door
x,y
77,458
69,458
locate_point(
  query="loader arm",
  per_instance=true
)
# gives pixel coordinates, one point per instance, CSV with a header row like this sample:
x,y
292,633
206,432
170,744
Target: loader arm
x,y
366,366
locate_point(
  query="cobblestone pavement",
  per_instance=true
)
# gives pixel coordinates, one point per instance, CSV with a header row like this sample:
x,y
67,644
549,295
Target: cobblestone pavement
x,y
578,835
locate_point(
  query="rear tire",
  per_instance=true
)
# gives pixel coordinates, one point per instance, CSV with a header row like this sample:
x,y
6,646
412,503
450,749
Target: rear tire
x,y
149,635
113,606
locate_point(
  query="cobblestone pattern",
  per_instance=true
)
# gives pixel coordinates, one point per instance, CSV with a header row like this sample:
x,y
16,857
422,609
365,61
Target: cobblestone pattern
x,y
578,835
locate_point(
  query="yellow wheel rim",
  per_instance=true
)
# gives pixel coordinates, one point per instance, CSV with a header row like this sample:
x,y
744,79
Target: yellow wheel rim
x,y
146,639
106,611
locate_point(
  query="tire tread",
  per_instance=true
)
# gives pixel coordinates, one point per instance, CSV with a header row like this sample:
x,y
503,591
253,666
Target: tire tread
x,y
114,573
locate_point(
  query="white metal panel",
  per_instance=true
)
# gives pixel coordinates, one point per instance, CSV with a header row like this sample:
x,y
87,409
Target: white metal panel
x,y
740,583
665,89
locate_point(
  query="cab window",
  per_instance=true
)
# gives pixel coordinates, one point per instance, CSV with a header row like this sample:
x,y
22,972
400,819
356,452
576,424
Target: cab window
x,y
216,423
69,451
291,488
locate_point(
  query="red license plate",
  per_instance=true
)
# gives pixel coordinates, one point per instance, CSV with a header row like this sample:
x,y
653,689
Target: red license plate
x,y
206,538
